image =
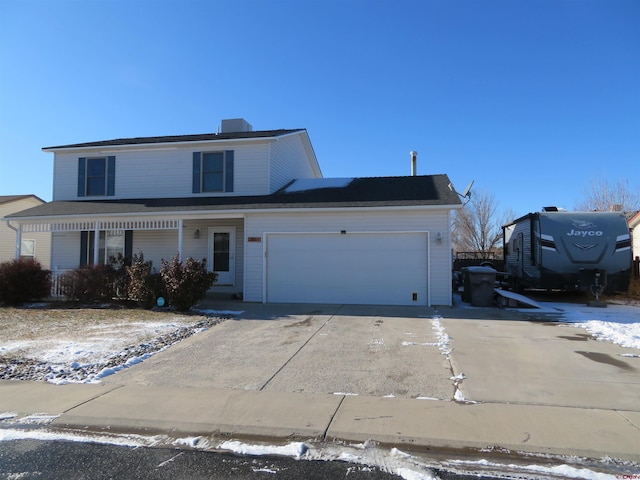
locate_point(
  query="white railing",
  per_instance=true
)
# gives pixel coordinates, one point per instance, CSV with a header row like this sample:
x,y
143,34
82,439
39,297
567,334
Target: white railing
x,y
80,225
56,287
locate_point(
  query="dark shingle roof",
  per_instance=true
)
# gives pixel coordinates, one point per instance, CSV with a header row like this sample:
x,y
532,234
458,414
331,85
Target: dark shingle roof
x,y
428,190
202,137
13,198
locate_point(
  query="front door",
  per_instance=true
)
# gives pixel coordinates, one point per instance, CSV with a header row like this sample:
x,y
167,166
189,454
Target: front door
x,y
222,246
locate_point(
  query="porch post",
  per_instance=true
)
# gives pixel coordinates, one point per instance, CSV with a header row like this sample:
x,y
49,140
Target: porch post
x,y
96,244
180,239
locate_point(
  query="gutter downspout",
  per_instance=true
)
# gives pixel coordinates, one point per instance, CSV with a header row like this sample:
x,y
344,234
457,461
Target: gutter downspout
x,y
18,238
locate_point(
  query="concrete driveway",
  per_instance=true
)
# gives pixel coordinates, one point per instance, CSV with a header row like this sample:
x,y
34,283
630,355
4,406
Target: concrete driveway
x,y
399,351
308,348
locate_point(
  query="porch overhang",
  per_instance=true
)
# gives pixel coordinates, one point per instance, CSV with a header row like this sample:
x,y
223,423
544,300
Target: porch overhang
x,y
96,223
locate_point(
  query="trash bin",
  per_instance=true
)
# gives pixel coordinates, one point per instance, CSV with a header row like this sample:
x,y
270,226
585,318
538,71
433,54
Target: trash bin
x,y
466,285
482,281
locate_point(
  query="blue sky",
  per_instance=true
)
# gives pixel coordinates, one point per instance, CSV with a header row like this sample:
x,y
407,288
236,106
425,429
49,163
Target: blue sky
x,y
531,99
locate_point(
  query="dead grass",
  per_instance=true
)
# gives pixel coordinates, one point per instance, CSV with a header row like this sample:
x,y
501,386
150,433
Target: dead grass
x,y
630,297
23,330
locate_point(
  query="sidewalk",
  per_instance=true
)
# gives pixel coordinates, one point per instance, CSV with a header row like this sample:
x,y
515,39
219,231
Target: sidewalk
x,y
283,417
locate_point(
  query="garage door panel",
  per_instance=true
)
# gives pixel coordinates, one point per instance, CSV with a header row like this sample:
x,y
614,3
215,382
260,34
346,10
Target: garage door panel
x,y
353,268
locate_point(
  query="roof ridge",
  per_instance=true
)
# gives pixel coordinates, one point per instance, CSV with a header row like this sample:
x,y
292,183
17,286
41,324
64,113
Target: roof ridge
x,y
190,137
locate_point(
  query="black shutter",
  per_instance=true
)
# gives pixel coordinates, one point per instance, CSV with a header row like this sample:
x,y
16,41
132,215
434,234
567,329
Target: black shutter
x,y
111,176
128,246
82,176
228,171
196,173
84,245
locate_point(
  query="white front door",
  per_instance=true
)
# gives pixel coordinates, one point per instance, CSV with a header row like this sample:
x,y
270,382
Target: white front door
x,y
222,254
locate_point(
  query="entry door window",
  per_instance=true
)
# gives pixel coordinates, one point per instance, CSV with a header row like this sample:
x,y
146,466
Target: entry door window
x,y
221,251
222,254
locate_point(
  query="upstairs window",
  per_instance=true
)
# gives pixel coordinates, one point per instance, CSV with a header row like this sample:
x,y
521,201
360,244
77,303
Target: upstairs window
x,y
213,172
96,176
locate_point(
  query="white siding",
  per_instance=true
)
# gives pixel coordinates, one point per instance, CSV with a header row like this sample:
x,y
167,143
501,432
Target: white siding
x,y
65,250
391,220
8,235
156,245
288,161
635,239
165,173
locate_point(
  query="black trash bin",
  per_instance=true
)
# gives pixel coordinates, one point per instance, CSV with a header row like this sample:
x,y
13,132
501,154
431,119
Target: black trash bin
x,y
466,285
482,281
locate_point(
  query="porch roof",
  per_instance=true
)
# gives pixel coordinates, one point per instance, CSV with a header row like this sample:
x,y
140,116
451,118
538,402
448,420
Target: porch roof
x,y
428,190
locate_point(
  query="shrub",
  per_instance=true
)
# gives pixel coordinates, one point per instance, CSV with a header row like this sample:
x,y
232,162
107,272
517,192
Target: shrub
x,y
144,286
89,283
23,280
186,283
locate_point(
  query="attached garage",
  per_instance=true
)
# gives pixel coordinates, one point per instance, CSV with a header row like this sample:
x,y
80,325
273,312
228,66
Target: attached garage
x,y
382,268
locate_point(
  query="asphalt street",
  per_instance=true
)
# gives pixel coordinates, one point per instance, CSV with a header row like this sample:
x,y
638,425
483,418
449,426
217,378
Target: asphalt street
x,y
57,460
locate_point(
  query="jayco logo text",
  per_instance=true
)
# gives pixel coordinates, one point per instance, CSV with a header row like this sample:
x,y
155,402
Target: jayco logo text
x,y
585,233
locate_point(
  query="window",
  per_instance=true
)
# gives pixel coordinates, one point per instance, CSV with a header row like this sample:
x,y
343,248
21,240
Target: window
x,y
28,249
96,176
113,247
213,171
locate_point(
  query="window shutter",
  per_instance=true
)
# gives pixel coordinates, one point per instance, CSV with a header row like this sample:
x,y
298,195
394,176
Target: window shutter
x,y
196,172
82,164
128,246
228,171
84,245
111,176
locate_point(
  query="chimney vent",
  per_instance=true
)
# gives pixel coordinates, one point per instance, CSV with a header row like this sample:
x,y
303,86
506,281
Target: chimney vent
x,y
233,125
414,162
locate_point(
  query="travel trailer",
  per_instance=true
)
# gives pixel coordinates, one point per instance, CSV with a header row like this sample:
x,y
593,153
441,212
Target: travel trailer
x,y
585,251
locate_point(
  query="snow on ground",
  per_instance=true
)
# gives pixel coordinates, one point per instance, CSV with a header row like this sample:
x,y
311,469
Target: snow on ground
x,y
366,455
615,323
619,324
93,351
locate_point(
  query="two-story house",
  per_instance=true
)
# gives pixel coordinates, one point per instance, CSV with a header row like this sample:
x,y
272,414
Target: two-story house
x,y
255,205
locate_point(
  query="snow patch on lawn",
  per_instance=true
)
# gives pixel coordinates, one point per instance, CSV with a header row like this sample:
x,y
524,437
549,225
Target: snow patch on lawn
x,y
619,324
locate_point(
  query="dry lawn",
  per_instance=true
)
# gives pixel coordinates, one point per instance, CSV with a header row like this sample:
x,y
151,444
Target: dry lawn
x,y
28,332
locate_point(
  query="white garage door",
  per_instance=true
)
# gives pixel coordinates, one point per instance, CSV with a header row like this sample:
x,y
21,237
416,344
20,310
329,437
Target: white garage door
x,y
352,268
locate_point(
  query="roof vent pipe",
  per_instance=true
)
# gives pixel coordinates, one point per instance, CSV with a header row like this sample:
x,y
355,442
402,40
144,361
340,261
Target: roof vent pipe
x,y
414,162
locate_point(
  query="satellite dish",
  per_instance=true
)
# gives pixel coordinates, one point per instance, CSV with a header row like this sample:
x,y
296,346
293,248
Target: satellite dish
x,y
467,191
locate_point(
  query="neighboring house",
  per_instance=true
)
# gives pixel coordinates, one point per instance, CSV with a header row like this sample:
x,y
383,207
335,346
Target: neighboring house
x,y
33,244
255,205
634,227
